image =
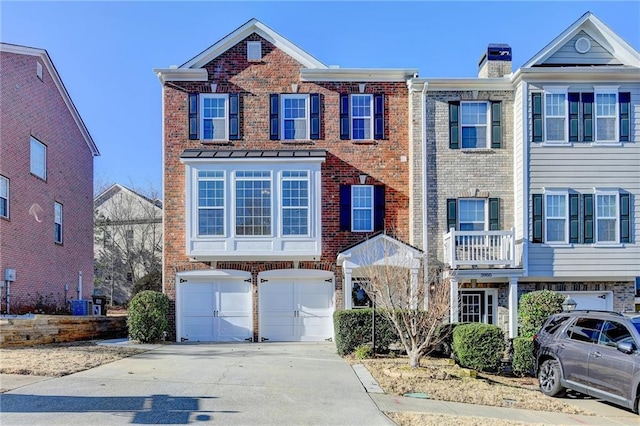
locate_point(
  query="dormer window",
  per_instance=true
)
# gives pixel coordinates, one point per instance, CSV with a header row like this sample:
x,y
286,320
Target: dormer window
x,y
254,51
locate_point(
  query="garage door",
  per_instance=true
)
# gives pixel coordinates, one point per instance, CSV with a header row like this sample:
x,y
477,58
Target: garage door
x,y
594,300
217,311
296,310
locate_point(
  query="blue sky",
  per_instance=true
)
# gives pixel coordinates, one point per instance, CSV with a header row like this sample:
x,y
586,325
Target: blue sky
x,y
105,51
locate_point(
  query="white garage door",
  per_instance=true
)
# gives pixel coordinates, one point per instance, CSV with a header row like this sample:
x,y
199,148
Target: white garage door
x,y
296,310
594,300
218,311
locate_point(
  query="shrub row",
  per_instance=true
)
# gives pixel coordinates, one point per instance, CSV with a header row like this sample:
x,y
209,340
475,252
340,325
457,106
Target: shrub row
x,y
353,329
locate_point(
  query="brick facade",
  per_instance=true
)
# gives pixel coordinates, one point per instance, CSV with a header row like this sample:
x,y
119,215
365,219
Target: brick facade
x,y
32,107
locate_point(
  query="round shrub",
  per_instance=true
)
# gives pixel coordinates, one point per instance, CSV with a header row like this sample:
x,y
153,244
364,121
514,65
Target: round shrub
x,y
147,316
479,346
535,307
522,362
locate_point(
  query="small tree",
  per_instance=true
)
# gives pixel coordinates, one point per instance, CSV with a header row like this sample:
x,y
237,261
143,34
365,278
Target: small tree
x,y
416,305
534,309
147,316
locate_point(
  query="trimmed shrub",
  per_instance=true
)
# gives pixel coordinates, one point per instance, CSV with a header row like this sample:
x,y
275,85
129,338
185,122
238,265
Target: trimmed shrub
x,y
523,359
479,346
535,307
363,352
147,316
353,329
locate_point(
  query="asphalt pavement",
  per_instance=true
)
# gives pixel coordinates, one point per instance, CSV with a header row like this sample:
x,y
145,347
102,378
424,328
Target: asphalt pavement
x,y
240,384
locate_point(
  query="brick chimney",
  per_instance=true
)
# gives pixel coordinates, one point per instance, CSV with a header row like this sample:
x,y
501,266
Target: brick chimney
x,y
495,62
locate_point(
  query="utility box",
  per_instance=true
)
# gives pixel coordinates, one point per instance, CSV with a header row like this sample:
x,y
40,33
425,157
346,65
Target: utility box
x,y
99,305
81,307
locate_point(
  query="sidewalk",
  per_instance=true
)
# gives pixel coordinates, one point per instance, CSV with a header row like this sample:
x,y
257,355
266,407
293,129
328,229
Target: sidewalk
x,y
392,403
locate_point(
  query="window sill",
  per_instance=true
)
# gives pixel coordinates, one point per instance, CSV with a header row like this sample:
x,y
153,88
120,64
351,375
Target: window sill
x,y
606,144
364,142
217,143
297,142
477,150
564,144
559,245
607,245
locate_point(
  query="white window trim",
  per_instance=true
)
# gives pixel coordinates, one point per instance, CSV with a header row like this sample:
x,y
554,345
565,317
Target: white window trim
x,y
58,221
352,117
353,208
616,241
564,193
487,126
204,96
487,292
486,212
606,90
197,208
307,118
273,195
44,168
4,194
556,90
282,208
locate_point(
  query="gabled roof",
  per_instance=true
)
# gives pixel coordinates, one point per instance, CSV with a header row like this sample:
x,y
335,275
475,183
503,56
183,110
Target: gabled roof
x,y
48,63
253,26
114,189
381,249
598,31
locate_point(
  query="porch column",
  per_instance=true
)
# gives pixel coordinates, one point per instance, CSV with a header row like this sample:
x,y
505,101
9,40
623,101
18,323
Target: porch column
x,y
453,299
347,287
414,288
513,307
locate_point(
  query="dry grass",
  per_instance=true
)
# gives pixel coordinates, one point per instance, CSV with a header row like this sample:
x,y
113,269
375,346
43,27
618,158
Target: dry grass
x,y
60,359
441,380
424,419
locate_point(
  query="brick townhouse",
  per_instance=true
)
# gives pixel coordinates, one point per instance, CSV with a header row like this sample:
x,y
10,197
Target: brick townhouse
x,y
46,184
275,167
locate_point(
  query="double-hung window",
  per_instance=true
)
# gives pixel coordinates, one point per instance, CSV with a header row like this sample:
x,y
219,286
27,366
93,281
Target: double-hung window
x,y
606,114
362,208
57,222
473,123
472,215
38,158
4,197
556,209
361,117
295,203
210,202
555,108
295,118
214,117
606,217
253,203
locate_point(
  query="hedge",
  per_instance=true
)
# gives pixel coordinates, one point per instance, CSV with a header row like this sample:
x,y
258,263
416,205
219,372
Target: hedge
x,y
523,358
479,346
353,329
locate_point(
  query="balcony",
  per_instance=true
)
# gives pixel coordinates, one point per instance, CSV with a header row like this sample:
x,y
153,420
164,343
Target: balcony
x,y
480,249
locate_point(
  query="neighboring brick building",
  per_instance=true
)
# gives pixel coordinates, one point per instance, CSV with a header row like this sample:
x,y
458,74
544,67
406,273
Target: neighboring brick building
x,y
46,183
274,164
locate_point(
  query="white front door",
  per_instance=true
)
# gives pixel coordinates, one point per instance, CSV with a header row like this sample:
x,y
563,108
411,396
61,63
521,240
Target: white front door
x,y
295,310
215,311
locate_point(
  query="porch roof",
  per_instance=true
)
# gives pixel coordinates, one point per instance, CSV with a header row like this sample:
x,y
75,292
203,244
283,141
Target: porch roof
x,y
380,249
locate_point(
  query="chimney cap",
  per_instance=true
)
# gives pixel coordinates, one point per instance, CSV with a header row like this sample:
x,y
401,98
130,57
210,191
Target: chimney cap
x,y
496,52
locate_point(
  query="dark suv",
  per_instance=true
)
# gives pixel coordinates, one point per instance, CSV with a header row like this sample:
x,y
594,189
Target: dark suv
x,y
596,353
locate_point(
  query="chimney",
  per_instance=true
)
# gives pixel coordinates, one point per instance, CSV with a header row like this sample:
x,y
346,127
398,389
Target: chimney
x,y
495,62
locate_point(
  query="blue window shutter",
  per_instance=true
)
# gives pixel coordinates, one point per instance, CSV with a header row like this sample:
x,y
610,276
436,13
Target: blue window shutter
x,y
315,114
624,99
234,116
193,116
574,218
345,133
574,108
587,221
625,218
454,125
345,207
496,124
494,214
378,207
537,218
378,116
274,117
536,115
587,117
452,214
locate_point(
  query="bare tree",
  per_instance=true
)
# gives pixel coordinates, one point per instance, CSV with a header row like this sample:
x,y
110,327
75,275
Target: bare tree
x,y
128,227
415,302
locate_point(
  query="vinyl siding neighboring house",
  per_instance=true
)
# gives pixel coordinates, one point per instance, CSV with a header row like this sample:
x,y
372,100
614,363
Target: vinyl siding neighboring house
x,y
46,166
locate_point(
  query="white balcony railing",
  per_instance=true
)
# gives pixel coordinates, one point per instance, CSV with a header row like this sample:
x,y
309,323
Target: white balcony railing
x,y
481,249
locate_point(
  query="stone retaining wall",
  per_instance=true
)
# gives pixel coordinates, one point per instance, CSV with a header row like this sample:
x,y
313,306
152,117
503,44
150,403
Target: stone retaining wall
x,y
43,329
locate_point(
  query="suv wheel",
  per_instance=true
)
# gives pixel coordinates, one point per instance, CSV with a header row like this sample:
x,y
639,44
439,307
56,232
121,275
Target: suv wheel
x,y
549,378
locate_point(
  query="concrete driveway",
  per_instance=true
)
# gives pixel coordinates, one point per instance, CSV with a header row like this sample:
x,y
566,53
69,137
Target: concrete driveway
x,y
230,384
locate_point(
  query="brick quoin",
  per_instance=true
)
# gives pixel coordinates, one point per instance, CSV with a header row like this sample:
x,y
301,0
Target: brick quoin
x,y
255,81
35,108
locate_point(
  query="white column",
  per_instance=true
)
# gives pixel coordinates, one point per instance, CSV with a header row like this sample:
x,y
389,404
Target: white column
x,y
513,307
414,289
453,301
347,286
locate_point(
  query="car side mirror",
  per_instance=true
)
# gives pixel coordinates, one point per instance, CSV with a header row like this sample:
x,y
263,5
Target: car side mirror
x,y
626,347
